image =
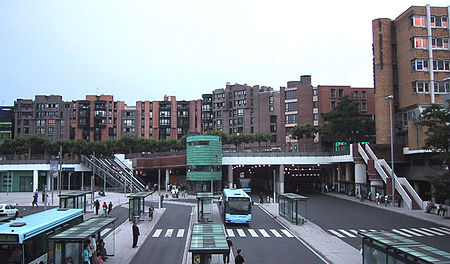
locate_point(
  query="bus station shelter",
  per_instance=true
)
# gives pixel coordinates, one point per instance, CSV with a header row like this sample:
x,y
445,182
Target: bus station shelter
x,y
289,207
208,244
137,205
71,242
390,248
204,205
75,200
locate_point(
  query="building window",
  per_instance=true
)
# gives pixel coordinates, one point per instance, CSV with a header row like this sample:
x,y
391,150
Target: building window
x,y
420,65
291,119
51,130
128,122
355,95
273,119
442,88
363,95
230,122
332,105
316,116
363,107
270,108
179,130
441,65
438,21
291,94
341,93
316,104
252,120
333,93
273,128
419,21
439,43
271,99
164,121
421,87
164,114
219,122
420,43
291,107
315,92
239,93
240,112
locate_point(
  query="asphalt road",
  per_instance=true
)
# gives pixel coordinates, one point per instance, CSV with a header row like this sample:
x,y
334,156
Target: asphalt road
x,y
271,245
332,213
166,242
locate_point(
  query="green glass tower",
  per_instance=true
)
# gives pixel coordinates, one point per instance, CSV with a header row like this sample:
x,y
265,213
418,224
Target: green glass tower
x,y
204,160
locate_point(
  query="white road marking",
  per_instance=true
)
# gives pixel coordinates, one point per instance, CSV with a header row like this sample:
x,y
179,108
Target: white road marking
x,y
421,232
252,232
230,232
410,232
401,233
335,233
431,231
157,233
372,230
263,232
440,230
168,232
445,228
354,231
346,233
275,233
286,233
241,232
362,230
180,233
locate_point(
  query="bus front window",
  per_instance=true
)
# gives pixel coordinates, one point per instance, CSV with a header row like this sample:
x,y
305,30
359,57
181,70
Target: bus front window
x,y
238,206
11,253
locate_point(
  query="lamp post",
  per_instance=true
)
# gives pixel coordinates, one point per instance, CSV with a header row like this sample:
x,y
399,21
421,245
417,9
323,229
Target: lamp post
x,y
391,99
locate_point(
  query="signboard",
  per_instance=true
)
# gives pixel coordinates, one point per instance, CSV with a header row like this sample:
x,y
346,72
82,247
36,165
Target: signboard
x,y
9,238
68,169
54,168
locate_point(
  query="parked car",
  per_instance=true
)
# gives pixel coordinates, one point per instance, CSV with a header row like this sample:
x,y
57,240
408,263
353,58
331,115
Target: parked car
x,y
8,210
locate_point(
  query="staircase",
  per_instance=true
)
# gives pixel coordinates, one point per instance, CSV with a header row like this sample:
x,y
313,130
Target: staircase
x,y
113,176
409,196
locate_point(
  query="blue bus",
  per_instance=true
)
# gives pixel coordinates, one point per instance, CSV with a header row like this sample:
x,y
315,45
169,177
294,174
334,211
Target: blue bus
x,y
26,240
237,206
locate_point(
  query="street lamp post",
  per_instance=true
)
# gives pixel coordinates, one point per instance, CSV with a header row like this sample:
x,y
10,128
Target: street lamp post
x,y
391,99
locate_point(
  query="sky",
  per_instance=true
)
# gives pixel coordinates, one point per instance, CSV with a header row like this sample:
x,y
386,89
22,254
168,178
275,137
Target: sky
x,y
143,50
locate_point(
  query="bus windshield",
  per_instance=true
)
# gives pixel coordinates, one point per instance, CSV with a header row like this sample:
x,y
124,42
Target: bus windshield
x,y
238,205
11,253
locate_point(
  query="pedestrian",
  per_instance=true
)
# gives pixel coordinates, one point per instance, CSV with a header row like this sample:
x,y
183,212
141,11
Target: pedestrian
x,y
43,196
377,198
91,251
135,234
239,259
86,254
93,248
105,207
326,187
96,206
226,256
110,206
99,260
220,200
261,200
35,198
150,212
162,200
386,197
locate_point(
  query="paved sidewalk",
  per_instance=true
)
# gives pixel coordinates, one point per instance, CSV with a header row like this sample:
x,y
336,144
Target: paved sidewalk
x,y
331,248
420,214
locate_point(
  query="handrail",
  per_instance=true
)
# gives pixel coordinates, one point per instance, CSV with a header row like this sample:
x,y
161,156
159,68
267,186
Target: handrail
x,y
363,153
87,159
370,152
380,171
128,172
405,183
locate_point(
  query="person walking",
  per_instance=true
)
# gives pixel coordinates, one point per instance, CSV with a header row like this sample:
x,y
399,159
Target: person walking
x,y
35,198
261,200
86,254
110,206
386,200
226,256
162,200
135,234
150,212
93,248
239,259
105,207
96,206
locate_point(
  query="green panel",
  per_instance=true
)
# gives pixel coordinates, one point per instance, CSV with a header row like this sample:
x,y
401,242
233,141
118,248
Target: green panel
x,y
204,176
210,154
22,181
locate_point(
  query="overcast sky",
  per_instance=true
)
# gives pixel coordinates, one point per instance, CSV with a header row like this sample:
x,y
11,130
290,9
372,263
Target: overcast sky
x,y
142,50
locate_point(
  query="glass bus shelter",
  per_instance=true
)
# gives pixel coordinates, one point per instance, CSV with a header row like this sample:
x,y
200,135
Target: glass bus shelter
x,y
289,207
390,248
208,244
75,200
204,207
137,205
70,243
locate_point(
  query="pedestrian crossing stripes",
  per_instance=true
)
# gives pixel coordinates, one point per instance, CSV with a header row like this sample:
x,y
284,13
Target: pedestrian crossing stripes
x,y
238,232
405,232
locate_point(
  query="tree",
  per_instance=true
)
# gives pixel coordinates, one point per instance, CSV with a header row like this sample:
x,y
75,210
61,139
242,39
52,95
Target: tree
x,y
304,131
437,121
224,137
345,123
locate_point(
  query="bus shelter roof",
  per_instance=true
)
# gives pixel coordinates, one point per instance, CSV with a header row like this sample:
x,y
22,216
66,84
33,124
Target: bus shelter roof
x,y
294,196
86,229
139,195
208,238
74,194
204,195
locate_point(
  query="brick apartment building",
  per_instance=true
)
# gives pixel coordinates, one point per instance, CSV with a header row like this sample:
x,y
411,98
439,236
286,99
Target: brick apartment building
x,y
45,116
411,62
303,103
247,110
